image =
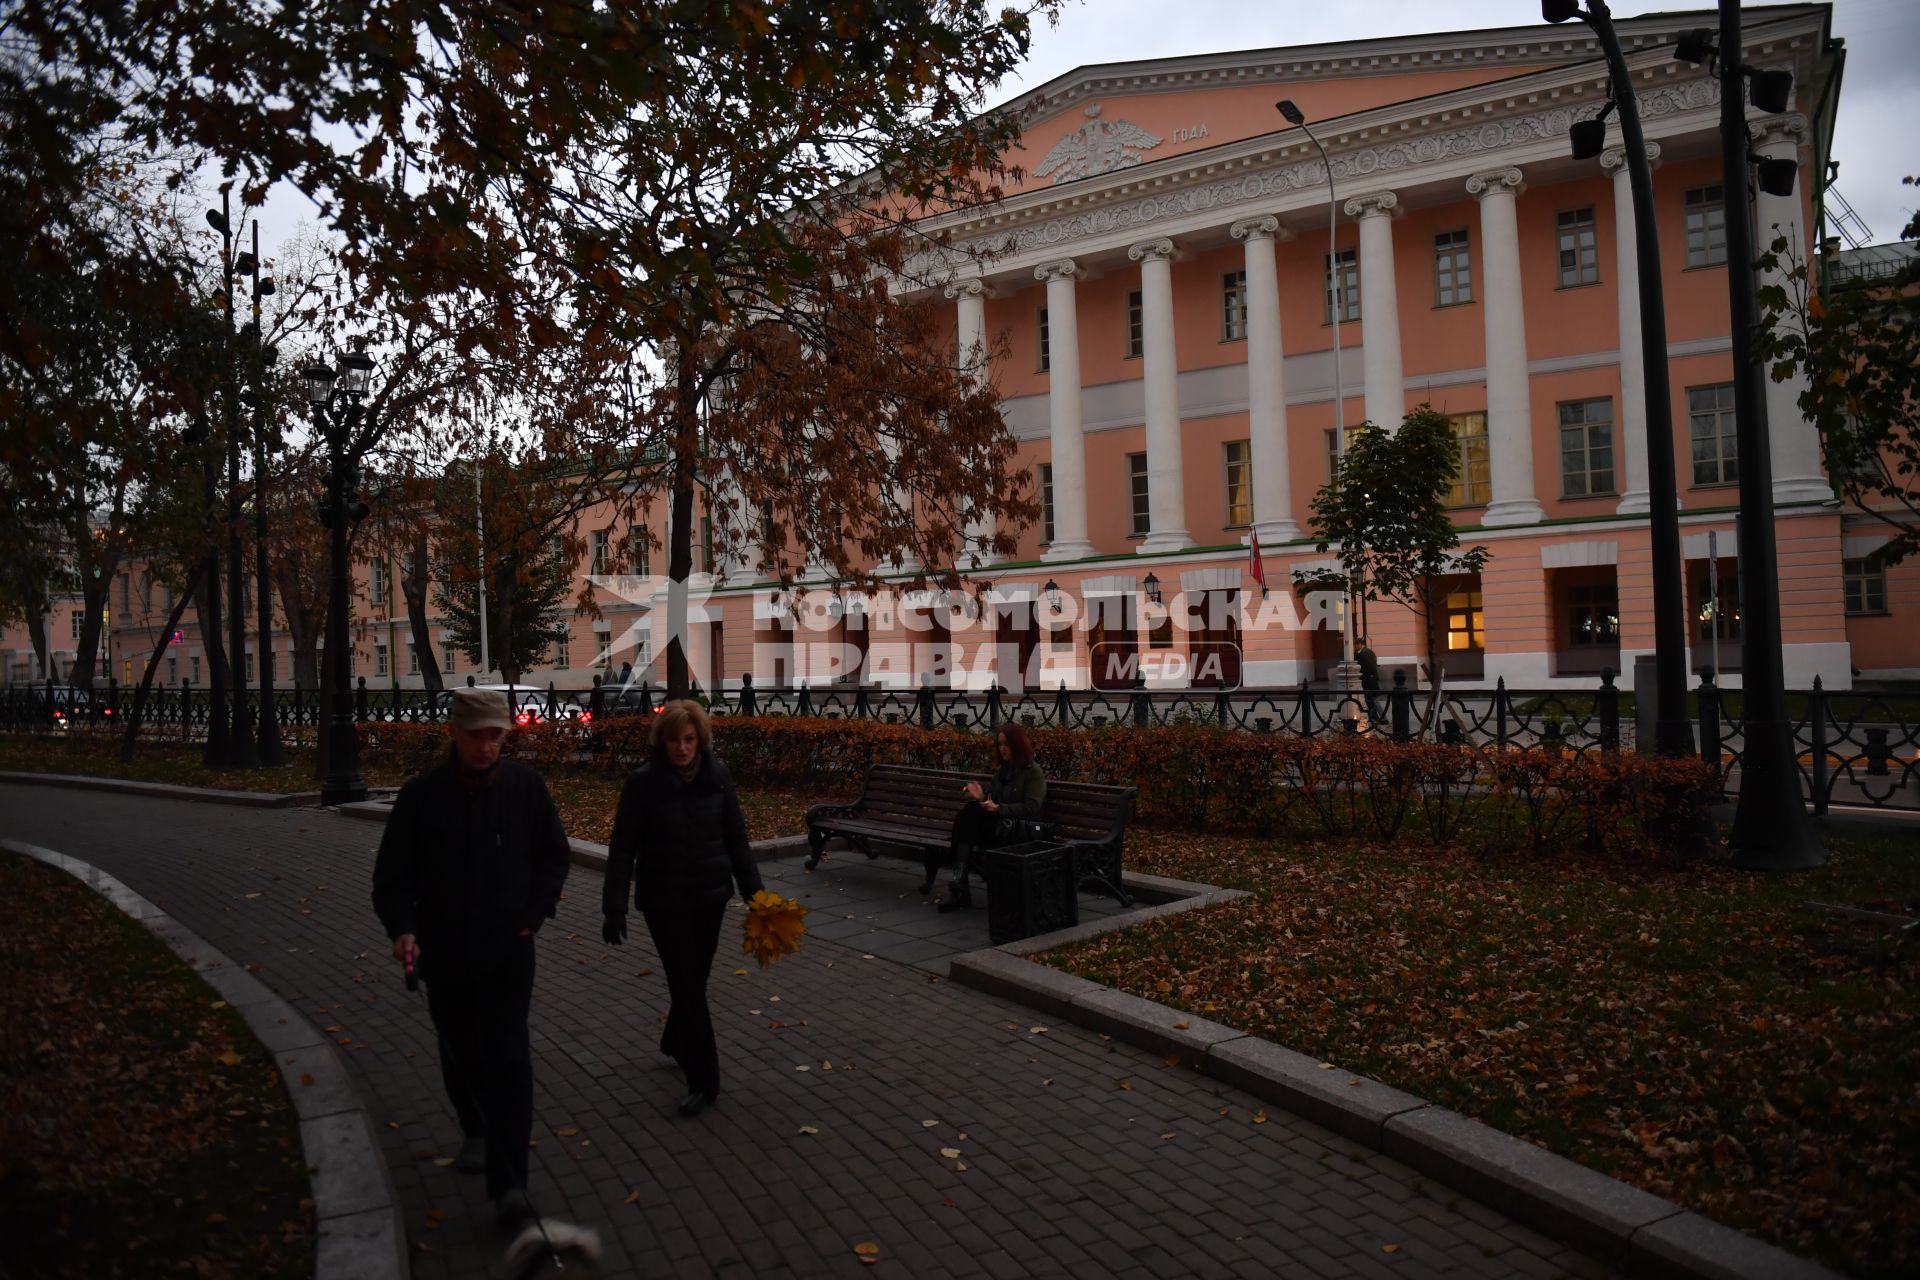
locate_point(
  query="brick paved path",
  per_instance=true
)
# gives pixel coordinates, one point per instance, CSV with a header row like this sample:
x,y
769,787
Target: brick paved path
x,y
1067,1172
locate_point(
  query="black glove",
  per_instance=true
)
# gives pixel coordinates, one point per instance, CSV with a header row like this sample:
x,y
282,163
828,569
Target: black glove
x,y
613,929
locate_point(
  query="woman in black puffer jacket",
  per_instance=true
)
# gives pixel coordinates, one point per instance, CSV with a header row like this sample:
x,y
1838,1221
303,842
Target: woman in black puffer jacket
x,y
680,839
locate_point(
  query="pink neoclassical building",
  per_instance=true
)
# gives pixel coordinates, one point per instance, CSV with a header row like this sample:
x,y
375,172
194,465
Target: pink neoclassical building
x,y
1161,274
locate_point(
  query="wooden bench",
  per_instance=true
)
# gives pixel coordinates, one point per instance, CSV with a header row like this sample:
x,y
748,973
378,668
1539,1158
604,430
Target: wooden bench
x,y
911,808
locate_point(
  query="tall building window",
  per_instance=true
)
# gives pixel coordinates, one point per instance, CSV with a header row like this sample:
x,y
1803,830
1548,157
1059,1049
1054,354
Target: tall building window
x,y
1046,356
379,657
600,537
1239,483
1593,614
173,670
1579,248
413,659
377,581
1137,493
1711,426
195,660
146,590
1233,306
126,593
1706,227
1333,449
1866,587
447,652
1473,483
1452,269
1720,616
1586,447
1136,325
1466,622
643,555
706,544
563,651
1348,282
1046,501
79,616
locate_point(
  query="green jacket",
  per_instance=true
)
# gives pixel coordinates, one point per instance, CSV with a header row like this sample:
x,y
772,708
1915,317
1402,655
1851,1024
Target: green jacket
x,y
1020,793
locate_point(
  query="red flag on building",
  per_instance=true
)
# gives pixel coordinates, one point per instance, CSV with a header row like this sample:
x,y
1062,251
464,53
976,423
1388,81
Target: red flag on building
x,y
1258,566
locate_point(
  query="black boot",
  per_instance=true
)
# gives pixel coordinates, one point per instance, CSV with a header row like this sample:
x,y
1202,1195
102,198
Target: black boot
x,y
958,896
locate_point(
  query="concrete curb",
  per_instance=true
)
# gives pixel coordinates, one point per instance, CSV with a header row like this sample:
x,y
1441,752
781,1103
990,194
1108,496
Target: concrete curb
x,y
357,1217
1640,1233
166,790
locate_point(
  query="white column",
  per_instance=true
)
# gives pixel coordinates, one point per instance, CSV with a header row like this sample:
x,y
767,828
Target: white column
x,y
1631,439
1795,443
1266,390
1379,308
1509,420
1063,411
1166,478
969,297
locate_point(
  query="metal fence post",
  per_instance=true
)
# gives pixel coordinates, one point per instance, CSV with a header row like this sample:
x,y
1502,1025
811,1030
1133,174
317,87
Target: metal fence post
x,y
862,702
1062,709
1306,707
1607,703
923,699
749,704
1709,721
1817,732
803,705
1500,712
1402,700
1142,710
596,700
186,708
993,707
360,701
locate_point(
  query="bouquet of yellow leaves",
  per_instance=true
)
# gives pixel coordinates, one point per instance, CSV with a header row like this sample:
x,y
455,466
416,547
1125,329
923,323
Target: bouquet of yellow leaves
x,y
773,927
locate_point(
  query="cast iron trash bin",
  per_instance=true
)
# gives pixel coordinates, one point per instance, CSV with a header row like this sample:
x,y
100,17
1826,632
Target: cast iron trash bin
x,y
1030,889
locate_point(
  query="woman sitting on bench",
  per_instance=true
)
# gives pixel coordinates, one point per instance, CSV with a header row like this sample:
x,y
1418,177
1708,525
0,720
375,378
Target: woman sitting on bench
x,y
1016,791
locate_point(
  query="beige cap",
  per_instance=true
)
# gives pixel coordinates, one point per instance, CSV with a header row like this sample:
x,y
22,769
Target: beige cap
x,y
479,709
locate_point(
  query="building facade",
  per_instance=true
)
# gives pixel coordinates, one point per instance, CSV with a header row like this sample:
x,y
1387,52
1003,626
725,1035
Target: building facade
x,y
1162,272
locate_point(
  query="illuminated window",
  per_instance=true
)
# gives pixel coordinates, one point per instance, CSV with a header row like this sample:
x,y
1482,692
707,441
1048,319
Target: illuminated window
x,y
1239,483
1466,622
1473,483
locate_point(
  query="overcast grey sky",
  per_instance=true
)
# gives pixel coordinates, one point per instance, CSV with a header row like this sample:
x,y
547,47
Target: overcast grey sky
x,y
1879,96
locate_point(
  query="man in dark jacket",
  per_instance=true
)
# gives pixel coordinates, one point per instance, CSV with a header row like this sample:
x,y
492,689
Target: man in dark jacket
x,y
469,869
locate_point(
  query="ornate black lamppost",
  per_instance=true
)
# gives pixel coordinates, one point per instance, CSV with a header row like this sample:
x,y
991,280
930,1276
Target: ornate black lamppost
x,y
260,398
1673,734
335,398
1771,831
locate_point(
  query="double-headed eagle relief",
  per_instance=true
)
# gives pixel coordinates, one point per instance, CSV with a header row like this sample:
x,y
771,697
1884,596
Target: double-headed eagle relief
x,y
1096,147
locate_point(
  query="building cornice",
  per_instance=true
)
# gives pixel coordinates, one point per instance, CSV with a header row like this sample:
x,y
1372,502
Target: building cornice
x,y
1450,134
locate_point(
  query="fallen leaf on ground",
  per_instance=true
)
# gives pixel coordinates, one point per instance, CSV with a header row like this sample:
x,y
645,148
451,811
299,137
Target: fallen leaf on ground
x,y
951,1153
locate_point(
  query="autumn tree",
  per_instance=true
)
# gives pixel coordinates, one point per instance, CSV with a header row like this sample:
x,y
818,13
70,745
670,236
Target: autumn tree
x,y
520,522
1384,513
1855,346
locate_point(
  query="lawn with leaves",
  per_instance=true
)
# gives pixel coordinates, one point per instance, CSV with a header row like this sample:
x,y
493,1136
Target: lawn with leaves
x,y
143,1130
1694,1032
587,801
97,755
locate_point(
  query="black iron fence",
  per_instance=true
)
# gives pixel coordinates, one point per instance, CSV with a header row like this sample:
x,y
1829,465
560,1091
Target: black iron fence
x,y
1853,748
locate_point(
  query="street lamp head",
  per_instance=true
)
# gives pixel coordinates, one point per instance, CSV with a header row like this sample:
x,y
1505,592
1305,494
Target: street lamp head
x,y
1290,113
217,220
1052,593
356,371
1559,10
245,264
1152,584
1776,177
1770,91
319,384
1587,138
1695,45
265,288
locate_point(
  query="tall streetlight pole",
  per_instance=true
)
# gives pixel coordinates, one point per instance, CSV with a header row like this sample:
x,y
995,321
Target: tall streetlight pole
x,y
217,753
239,741
1770,827
335,398
270,749
1672,732
1349,675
